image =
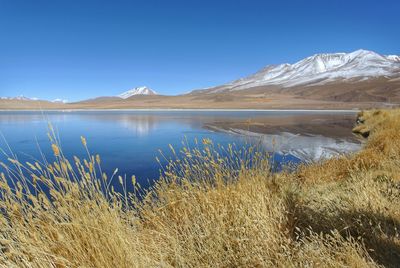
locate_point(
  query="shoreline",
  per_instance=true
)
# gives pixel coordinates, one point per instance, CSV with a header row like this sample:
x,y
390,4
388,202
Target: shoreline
x,y
189,110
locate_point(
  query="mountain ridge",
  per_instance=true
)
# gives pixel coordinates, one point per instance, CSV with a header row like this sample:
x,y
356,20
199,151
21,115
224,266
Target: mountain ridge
x,y
316,70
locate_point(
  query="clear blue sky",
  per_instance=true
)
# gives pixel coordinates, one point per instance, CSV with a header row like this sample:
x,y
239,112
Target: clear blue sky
x,y
81,49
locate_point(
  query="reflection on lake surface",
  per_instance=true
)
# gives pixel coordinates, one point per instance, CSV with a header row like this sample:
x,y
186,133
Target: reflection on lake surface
x,y
131,140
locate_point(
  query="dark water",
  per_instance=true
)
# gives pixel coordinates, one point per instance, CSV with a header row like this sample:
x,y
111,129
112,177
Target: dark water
x,y
129,140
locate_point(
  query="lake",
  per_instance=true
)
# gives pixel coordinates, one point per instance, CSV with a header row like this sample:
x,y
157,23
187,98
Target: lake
x,y
130,140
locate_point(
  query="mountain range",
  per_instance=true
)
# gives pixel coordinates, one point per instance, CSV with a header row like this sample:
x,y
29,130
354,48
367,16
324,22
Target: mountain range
x,y
358,79
24,98
319,69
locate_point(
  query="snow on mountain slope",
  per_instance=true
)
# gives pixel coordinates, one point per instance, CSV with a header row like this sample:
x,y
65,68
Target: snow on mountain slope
x,y
393,57
21,97
137,91
59,101
319,69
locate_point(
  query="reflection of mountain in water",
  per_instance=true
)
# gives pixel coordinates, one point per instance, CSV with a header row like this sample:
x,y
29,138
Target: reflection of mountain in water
x,y
306,148
140,125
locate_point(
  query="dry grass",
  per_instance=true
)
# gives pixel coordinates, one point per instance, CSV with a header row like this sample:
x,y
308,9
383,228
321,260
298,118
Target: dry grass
x,y
210,210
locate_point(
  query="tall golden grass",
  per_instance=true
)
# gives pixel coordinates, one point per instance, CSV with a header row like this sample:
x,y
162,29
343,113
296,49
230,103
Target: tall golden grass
x,y
209,210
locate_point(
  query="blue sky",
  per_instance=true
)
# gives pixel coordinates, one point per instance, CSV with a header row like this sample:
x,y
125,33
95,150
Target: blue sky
x,y
81,49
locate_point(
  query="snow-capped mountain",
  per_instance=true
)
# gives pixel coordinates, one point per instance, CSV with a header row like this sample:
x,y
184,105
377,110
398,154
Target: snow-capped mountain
x,y
59,101
20,97
320,69
137,91
24,98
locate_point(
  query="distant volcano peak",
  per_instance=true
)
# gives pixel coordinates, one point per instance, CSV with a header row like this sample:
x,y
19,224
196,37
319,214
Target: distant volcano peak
x,y
137,91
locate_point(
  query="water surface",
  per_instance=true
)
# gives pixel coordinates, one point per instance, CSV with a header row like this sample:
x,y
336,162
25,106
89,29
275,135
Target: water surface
x,y
131,140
